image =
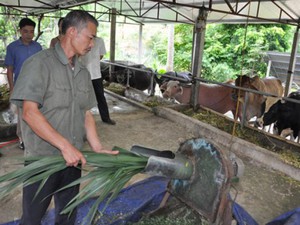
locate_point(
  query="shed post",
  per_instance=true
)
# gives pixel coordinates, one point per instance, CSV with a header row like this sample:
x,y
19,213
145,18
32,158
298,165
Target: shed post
x,y
290,73
112,39
269,68
170,55
198,47
140,43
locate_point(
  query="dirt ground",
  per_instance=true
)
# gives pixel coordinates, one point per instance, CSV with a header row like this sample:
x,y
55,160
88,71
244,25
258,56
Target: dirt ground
x,y
263,192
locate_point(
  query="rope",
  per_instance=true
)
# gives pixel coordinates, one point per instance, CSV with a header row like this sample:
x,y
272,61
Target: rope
x,y
239,90
3,144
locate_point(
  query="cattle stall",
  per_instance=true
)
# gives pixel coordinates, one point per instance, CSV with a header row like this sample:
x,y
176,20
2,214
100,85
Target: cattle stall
x,y
274,150
225,95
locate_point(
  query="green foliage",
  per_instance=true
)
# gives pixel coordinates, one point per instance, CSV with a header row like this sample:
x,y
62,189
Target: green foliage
x,y
4,97
229,50
158,45
183,44
239,49
9,30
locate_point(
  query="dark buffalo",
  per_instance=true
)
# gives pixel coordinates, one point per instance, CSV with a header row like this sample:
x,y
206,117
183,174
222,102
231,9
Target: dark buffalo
x,y
185,77
285,114
138,74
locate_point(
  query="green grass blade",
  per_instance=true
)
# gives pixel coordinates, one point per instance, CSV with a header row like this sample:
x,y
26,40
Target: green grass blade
x,y
105,175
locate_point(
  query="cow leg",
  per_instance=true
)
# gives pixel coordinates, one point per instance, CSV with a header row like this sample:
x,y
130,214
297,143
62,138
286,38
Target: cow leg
x,y
297,138
275,129
287,132
270,128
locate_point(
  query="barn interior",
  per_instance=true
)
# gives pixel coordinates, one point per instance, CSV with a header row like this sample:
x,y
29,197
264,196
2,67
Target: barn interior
x,y
197,13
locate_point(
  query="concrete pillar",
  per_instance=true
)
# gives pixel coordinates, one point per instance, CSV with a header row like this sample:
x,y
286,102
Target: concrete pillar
x,y
140,44
112,39
170,56
199,37
269,68
290,73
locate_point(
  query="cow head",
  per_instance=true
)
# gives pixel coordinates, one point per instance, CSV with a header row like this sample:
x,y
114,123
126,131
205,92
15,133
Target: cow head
x,y
172,88
272,115
285,114
254,83
163,87
253,101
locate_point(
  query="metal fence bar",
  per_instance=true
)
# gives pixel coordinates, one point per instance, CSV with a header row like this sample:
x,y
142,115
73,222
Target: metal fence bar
x,y
153,73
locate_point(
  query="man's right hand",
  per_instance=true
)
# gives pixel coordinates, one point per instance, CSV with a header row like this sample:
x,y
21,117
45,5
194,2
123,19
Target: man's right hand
x,y
73,156
40,125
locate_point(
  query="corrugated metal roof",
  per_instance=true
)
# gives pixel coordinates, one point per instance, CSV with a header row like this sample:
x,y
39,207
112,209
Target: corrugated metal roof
x,y
279,62
184,11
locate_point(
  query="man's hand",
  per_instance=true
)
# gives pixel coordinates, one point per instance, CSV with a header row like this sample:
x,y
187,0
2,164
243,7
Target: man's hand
x,y
72,156
92,135
40,125
104,151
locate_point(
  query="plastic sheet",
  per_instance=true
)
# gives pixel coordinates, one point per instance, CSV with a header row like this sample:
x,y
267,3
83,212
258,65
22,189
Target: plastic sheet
x,y
241,215
289,218
135,201
128,206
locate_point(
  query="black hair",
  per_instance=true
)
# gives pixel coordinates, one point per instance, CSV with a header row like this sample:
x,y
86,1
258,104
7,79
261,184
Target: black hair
x,y
78,19
26,22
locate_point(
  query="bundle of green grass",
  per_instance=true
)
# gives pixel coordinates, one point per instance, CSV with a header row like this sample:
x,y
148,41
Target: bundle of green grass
x,y
106,176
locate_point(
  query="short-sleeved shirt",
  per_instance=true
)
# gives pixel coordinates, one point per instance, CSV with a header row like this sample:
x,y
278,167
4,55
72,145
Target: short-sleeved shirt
x,y
92,58
63,95
17,53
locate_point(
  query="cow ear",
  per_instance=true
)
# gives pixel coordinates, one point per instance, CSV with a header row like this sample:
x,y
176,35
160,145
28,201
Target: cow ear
x,y
181,90
257,83
163,86
254,79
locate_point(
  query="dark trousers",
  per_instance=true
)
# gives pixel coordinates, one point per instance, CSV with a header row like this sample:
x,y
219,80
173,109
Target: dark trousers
x,y
101,100
34,208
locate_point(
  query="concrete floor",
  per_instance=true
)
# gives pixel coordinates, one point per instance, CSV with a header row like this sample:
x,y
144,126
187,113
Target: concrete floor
x,y
263,192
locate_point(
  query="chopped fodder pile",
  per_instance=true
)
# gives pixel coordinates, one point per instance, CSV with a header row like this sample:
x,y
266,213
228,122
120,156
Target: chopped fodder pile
x,y
169,219
176,213
155,101
116,88
288,152
290,157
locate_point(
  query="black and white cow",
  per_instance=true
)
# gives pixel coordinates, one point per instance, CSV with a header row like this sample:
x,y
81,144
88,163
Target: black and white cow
x,y
285,114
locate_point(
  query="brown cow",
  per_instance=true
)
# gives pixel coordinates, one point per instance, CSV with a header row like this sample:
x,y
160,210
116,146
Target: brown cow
x,y
258,104
212,96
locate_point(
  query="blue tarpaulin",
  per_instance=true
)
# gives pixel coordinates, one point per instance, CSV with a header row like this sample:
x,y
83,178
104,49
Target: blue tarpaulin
x,y
145,196
241,215
289,218
129,206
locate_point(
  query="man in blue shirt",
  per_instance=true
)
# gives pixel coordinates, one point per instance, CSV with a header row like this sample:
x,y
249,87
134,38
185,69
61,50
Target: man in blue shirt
x,y
17,52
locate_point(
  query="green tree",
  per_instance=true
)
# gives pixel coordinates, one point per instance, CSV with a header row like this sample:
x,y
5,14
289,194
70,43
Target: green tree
x,y
183,44
229,50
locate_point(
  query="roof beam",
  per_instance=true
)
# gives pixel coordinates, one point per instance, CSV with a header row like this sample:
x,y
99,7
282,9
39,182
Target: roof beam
x,y
229,6
140,8
291,20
